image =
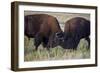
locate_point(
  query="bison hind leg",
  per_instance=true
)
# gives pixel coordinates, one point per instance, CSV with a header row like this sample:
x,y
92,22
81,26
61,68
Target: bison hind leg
x,y
37,41
88,40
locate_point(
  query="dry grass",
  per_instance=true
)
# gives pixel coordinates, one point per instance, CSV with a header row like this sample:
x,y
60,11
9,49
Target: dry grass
x,y
57,53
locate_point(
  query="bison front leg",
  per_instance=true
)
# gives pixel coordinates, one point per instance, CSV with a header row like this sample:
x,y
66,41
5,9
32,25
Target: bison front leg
x,y
50,42
45,42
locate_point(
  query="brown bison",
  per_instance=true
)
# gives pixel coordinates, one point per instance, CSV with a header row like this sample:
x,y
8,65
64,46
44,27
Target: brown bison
x,y
76,29
44,28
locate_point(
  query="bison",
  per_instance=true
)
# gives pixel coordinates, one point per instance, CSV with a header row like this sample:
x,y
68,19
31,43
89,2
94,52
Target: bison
x,y
44,28
76,29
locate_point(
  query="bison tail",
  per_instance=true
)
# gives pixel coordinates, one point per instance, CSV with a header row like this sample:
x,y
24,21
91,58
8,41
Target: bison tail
x,y
88,40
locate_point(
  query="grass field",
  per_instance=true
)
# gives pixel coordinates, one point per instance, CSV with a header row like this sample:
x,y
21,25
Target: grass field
x,y
57,53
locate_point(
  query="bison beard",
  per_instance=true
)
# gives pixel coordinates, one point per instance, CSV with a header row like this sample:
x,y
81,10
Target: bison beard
x,y
43,28
76,29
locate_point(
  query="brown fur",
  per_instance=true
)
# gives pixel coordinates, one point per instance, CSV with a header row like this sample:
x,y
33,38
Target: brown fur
x,y
42,27
76,29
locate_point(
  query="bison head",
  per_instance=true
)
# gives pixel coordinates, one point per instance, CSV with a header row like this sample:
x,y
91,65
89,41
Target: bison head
x,y
63,39
59,38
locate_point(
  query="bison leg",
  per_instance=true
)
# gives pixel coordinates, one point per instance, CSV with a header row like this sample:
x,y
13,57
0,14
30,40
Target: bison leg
x,y
77,40
50,42
45,42
88,40
72,43
37,41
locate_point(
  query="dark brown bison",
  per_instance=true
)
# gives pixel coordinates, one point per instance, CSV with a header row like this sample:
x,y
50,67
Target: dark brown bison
x,y
44,28
76,29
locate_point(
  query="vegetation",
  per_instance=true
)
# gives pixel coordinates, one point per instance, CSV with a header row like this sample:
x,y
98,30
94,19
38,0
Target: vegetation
x,y
57,53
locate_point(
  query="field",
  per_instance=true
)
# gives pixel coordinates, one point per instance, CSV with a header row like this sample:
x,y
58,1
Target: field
x,y
57,53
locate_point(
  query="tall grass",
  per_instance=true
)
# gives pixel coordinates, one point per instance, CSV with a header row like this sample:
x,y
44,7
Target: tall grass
x,y
57,53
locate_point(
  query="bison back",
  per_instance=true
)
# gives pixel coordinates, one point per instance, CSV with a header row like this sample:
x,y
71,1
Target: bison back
x,y
77,26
